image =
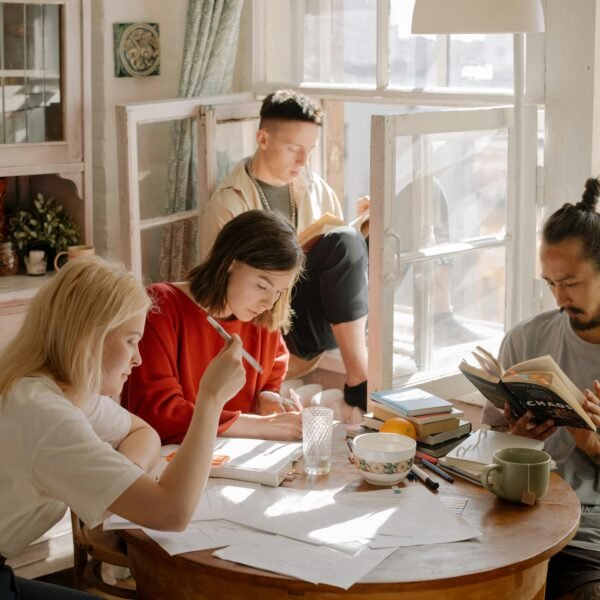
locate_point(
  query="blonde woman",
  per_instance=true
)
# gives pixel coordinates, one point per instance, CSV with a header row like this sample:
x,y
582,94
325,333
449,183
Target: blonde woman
x,y
245,283
65,443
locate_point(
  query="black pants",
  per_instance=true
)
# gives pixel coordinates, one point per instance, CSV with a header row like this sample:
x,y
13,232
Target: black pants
x,y
333,290
570,569
16,588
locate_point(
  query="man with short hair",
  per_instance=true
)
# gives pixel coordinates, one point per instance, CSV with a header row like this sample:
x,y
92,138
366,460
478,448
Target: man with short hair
x,y
570,261
330,301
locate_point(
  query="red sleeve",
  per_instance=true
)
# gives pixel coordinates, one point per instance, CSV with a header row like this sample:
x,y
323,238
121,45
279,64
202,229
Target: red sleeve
x,y
278,368
154,392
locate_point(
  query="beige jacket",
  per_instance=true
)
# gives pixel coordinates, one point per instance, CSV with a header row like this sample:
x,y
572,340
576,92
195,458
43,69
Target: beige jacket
x,y
237,194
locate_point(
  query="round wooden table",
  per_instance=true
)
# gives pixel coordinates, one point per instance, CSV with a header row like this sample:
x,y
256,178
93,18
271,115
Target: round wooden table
x,y
508,561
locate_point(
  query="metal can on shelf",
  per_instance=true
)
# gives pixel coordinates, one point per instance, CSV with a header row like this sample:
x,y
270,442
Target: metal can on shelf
x,y
9,261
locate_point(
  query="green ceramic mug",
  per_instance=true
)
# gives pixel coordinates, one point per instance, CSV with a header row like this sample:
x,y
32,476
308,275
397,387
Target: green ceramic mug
x,y
518,474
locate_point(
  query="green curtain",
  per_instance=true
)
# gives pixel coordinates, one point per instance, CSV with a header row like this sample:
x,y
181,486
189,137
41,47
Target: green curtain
x,y
211,38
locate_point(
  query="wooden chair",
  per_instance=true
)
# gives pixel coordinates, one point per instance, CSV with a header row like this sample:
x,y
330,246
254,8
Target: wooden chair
x,y
91,548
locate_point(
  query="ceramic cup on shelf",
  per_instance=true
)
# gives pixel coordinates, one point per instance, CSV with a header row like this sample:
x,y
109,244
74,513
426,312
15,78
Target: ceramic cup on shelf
x,y
36,262
73,252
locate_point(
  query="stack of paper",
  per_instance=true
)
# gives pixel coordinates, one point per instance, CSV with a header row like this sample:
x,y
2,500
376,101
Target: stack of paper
x,y
313,535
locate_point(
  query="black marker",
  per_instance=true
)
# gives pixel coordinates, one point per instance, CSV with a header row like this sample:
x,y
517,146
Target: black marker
x,y
430,483
437,470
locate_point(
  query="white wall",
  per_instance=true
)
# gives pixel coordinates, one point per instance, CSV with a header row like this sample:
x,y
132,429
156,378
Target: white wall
x,y
108,91
572,102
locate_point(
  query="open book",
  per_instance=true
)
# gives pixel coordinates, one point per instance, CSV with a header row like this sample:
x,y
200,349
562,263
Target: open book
x,y
311,235
537,385
258,461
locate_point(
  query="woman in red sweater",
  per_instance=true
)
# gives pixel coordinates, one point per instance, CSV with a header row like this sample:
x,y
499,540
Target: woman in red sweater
x,y
245,283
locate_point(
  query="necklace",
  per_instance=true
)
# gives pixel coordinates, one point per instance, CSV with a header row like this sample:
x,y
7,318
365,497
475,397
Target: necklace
x,y
265,202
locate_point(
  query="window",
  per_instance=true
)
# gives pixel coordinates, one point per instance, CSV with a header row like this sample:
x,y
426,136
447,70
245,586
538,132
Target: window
x,y
457,212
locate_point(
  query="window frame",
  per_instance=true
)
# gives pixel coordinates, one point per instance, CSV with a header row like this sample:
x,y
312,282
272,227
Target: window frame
x,y
522,287
383,255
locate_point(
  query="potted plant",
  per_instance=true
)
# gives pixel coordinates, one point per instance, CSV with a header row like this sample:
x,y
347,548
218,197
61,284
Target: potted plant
x,y
46,229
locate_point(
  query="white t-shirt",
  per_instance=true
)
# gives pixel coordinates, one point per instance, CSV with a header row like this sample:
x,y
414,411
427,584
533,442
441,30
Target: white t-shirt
x,y
55,455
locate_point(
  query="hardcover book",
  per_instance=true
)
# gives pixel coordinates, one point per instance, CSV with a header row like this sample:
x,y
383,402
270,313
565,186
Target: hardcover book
x,y
441,449
308,237
538,385
424,424
437,438
412,402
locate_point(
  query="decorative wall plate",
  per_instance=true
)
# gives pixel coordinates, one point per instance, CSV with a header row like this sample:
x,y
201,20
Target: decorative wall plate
x,y
136,49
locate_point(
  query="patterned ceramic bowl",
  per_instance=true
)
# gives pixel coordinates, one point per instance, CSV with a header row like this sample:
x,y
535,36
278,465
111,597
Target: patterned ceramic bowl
x,y
383,458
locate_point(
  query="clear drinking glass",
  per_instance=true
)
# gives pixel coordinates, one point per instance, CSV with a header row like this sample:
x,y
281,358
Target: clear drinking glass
x,y
317,427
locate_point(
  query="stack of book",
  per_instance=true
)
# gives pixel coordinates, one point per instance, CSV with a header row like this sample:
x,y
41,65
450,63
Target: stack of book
x,y
438,424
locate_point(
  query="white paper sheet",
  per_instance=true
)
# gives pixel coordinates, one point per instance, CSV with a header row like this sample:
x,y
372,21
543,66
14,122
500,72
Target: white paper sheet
x,y
315,517
222,499
205,535
421,517
313,564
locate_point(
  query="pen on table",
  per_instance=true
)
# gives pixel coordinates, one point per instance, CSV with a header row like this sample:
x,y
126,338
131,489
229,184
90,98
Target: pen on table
x,y
430,483
437,470
251,360
431,459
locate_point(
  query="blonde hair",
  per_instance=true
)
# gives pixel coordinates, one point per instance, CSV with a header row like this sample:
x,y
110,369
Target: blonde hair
x,y
67,322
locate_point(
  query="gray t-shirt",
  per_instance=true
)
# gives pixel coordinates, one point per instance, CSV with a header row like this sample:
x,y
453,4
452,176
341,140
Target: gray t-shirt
x,y
551,333
278,197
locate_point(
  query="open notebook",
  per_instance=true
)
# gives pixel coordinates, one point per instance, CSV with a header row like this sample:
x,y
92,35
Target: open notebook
x,y
477,451
258,461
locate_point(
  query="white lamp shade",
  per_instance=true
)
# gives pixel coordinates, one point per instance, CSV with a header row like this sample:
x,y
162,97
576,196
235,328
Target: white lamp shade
x,y
478,16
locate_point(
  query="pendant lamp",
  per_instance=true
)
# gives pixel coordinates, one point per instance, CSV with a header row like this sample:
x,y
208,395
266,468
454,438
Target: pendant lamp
x,y
478,16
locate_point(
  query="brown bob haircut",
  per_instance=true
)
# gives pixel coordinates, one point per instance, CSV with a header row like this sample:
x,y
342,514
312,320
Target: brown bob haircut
x,y
260,239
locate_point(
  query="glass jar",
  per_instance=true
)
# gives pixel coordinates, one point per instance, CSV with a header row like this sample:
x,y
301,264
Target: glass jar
x,y
9,262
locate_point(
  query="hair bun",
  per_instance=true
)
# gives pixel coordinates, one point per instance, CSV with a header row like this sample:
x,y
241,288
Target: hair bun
x,y
590,196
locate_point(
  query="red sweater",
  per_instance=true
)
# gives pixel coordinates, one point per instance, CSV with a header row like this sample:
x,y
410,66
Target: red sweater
x,y
177,346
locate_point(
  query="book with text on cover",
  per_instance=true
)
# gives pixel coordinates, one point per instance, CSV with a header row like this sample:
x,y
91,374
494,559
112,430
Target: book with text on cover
x,y
412,402
537,385
308,237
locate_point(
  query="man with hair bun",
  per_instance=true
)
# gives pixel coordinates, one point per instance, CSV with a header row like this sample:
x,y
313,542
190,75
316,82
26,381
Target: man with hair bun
x,y
570,261
330,301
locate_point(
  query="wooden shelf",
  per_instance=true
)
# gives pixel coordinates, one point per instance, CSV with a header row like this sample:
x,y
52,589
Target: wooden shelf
x,y
16,289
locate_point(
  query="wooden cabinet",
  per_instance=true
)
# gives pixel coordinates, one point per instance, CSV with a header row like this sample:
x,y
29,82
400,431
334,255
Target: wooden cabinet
x,y
45,146
45,138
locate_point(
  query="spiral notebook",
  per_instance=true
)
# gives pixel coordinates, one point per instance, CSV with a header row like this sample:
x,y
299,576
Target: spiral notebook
x,y
477,450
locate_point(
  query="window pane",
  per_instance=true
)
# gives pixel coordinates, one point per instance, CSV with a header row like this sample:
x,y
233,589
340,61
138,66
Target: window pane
x,y
154,146
465,61
235,140
322,41
444,307
450,187
182,235
30,73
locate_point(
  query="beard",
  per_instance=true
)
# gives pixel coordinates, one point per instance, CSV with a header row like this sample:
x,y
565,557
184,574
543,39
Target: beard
x,y
582,325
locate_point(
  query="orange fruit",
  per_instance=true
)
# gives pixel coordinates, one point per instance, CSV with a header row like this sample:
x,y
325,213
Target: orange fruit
x,y
399,425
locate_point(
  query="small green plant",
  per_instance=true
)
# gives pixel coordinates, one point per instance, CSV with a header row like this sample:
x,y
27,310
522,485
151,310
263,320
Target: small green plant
x,y
47,223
